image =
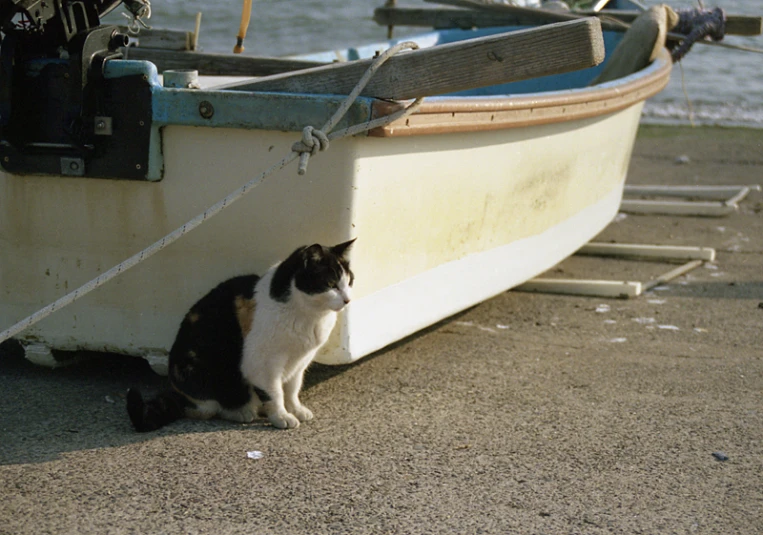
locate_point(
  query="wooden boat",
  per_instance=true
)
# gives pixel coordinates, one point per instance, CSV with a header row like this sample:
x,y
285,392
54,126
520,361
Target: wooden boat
x,y
475,193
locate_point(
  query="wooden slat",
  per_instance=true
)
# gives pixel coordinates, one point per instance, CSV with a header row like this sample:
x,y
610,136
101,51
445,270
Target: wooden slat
x,y
735,24
662,252
688,208
546,16
587,287
728,194
672,274
453,67
441,18
218,64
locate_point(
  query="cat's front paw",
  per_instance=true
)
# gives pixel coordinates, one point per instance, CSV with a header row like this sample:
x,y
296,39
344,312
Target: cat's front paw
x,y
302,413
283,420
244,415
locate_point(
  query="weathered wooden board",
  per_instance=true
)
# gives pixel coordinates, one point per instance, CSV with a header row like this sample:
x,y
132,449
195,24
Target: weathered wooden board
x,y
588,287
541,16
481,62
441,18
735,24
218,64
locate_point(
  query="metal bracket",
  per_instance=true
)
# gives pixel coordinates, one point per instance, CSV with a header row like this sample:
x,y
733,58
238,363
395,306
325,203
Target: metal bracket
x,y
72,166
102,126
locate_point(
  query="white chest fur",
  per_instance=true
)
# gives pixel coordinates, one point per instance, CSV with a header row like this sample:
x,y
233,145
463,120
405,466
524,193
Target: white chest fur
x,y
284,337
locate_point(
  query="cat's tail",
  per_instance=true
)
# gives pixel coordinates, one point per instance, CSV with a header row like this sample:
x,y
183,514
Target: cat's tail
x,y
158,412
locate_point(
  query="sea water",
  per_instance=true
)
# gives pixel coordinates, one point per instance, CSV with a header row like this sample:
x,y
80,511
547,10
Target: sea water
x,y
712,85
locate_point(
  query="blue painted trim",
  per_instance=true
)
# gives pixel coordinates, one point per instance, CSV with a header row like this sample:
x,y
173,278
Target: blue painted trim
x,y
128,67
232,109
250,110
238,109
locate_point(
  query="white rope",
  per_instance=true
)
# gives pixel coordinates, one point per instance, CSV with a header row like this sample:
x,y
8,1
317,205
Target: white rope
x,y
313,141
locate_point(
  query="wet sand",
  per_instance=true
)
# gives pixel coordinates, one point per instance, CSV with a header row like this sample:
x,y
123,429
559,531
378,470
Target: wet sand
x,y
532,414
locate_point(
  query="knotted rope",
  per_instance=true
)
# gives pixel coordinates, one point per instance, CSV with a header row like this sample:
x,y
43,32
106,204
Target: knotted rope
x,y
313,142
697,24
303,149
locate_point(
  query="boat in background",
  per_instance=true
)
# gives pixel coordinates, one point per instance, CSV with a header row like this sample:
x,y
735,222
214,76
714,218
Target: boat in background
x,y
476,192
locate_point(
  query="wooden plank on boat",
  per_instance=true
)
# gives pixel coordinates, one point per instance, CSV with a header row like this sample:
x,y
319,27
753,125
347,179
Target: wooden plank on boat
x,y
543,16
735,24
218,64
547,14
442,18
480,62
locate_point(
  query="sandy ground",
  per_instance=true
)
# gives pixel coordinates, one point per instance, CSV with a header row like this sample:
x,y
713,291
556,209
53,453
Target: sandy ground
x,y
531,414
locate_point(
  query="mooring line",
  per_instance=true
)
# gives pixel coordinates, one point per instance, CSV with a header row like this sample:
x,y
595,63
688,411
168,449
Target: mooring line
x,y
313,141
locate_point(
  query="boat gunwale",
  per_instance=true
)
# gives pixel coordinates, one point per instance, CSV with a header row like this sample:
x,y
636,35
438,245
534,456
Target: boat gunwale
x,y
441,115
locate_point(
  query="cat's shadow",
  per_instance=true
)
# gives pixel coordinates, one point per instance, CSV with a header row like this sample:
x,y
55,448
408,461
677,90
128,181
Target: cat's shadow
x,y
46,412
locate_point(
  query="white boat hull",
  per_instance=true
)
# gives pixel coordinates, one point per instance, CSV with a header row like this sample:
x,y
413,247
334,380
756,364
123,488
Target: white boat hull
x,y
443,221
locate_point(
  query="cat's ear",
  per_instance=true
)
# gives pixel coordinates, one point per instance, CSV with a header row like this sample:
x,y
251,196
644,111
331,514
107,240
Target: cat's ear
x,y
314,253
342,249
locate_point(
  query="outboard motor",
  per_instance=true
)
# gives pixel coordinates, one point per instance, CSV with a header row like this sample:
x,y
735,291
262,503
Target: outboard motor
x,y
59,115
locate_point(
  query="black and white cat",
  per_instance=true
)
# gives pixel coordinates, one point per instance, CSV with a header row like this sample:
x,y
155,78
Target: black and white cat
x,y
242,350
